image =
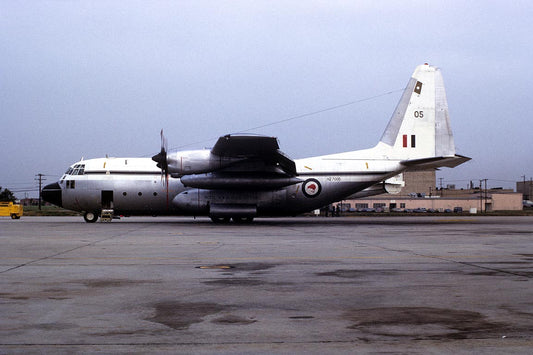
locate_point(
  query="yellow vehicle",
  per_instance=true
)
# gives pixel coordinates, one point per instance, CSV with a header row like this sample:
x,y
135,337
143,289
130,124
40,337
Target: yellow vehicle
x,y
11,209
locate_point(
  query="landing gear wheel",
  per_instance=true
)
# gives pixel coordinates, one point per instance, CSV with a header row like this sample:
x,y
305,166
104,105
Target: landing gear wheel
x,y
220,219
90,217
243,219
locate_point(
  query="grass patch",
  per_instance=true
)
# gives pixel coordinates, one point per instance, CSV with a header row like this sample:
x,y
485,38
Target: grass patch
x,y
48,211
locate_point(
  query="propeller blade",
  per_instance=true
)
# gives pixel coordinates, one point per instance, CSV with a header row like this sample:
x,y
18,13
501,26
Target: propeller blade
x,y
161,157
163,141
162,161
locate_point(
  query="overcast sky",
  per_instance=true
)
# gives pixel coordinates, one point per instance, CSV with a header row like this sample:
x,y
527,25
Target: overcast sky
x,y
90,78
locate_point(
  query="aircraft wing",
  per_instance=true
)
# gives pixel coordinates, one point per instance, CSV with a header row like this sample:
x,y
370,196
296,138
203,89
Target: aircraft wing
x,y
251,148
435,162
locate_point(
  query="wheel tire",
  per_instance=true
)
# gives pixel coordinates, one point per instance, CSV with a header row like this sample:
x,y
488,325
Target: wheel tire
x,y
242,220
220,219
14,216
90,217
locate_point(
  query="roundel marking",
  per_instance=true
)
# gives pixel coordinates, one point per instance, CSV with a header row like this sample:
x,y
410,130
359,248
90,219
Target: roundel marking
x,y
311,188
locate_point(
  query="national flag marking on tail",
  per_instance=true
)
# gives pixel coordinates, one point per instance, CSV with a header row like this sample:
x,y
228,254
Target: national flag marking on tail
x,y
405,141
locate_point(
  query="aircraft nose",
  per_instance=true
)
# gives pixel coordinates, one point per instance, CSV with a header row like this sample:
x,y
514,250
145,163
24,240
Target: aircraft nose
x,y
52,193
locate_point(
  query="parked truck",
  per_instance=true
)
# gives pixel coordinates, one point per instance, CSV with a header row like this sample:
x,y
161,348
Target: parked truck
x,y
13,209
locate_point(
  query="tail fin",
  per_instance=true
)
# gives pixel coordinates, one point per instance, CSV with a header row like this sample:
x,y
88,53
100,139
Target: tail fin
x,y
419,134
420,126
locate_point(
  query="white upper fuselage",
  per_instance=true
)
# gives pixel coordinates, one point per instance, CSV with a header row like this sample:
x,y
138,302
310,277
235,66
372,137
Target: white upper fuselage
x,y
139,188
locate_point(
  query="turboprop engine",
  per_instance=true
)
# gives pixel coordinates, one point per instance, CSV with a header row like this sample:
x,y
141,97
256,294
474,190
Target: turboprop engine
x,y
186,162
242,153
196,162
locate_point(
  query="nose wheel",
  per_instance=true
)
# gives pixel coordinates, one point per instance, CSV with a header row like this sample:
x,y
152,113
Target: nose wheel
x,y
90,217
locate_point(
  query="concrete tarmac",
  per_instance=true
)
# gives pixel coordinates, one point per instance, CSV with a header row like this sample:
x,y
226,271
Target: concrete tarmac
x,y
427,284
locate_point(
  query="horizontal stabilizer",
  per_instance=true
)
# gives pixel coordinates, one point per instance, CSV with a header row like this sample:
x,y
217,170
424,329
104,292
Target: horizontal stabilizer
x,y
435,162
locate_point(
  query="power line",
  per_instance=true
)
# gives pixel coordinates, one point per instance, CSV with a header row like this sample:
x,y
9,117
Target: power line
x,y
331,108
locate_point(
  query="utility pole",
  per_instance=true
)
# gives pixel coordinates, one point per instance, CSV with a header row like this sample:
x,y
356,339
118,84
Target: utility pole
x,y
529,189
483,194
524,187
40,179
480,196
486,197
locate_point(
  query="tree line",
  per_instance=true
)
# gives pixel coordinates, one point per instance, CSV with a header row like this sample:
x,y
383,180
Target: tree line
x,y
6,195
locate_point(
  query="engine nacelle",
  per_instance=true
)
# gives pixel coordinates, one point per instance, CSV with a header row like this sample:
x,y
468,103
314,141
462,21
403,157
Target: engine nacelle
x,y
196,162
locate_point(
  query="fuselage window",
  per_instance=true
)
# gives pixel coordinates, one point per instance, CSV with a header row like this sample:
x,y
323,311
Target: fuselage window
x,y
155,193
140,194
124,193
71,184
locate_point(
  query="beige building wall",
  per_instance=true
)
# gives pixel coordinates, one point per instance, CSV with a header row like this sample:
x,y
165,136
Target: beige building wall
x,y
424,182
507,202
493,202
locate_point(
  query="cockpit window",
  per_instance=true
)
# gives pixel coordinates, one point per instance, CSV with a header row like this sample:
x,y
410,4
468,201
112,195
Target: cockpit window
x,y
78,169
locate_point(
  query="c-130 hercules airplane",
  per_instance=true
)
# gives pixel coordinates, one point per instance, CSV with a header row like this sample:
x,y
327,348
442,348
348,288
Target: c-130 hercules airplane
x,y
246,176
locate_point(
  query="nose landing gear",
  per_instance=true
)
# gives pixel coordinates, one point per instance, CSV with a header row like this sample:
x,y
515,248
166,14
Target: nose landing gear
x,y
90,217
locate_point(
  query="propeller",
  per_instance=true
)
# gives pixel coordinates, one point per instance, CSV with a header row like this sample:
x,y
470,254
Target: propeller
x,y
162,161
161,157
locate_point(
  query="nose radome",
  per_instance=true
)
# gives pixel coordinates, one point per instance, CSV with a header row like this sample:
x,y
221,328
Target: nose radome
x,y
52,193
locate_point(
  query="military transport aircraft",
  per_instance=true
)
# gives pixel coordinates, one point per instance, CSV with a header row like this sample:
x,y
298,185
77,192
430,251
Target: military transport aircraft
x,y
246,176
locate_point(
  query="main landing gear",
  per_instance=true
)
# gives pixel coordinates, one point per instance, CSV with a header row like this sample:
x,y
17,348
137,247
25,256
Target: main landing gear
x,y
222,220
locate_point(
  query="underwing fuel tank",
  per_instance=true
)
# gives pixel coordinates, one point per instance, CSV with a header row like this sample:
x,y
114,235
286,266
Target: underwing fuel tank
x,y
237,182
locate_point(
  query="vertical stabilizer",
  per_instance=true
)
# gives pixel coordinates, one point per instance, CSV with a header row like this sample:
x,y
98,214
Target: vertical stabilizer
x,y
420,125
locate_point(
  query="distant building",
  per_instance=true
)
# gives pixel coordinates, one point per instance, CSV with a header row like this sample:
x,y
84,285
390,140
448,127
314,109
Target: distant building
x,y
420,191
475,202
525,188
419,182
